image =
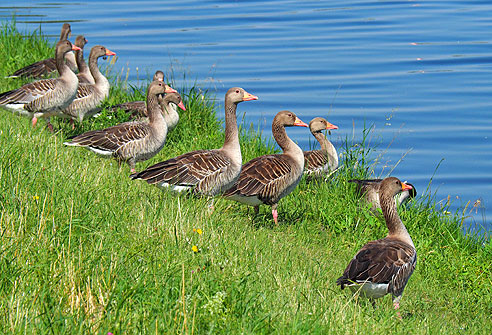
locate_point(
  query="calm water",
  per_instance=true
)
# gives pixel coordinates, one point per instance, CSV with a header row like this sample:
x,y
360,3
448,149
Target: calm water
x,y
418,71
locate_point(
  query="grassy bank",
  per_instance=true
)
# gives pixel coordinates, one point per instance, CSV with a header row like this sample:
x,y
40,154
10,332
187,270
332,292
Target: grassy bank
x,y
84,249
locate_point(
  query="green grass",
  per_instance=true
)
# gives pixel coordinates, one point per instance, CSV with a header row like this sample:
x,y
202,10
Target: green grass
x,y
84,249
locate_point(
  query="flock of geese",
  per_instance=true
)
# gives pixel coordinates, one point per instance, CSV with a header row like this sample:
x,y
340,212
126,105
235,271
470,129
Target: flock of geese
x,y
380,267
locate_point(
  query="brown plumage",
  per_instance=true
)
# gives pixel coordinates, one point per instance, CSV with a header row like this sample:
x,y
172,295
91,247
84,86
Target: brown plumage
x,y
267,179
319,162
90,96
47,66
46,97
384,266
132,141
368,189
84,74
205,172
137,108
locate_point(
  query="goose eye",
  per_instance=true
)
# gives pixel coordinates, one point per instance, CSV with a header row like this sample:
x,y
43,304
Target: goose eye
x,y
237,91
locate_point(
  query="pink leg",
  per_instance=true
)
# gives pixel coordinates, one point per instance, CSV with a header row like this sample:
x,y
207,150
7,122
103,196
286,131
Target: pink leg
x,y
275,216
132,170
396,305
34,121
211,207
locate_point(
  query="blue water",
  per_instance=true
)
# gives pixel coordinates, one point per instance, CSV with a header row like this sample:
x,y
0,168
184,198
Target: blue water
x,y
418,72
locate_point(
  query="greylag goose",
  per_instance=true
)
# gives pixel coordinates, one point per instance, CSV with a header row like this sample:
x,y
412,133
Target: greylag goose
x,y
205,172
384,266
90,96
369,190
137,108
47,66
84,74
47,97
319,162
267,179
131,141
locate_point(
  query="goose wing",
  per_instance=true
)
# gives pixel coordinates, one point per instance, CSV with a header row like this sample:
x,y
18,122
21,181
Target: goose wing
x,y
190,169
28,92
264,177
112,138
386,261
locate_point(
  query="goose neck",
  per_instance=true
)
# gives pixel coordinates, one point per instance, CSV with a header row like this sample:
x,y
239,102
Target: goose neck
x,y
327,147
153,108
61,66
396,228
94,68
81,64
170,113
231,130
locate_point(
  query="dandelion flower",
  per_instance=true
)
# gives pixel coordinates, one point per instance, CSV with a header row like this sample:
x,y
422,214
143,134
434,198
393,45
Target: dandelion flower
x,y
198,231
194,248
35,197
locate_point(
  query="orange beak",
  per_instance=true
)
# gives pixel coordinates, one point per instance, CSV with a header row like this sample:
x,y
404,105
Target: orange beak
x,y
299,123
169,89
405,187
181,105
75,48
110,53
249,97
331,126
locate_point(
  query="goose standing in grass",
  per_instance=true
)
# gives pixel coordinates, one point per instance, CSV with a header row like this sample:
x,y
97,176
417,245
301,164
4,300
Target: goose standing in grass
x,y
384,266
369,190
131,141
137,108
320,162
205,172
267,179
48,97
90,96
47,66
84,75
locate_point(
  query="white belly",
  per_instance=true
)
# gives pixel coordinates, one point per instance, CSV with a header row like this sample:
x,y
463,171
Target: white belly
x,y
174,188
370,290
251,201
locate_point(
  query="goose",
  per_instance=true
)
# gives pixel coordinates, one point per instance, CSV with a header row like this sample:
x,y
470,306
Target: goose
x,y
137,108
47,66
204,172
267,179
90,96
47,97
84,74
319,162
369,190
131,141
384,266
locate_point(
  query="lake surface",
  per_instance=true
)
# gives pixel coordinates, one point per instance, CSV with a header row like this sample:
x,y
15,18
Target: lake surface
x,y
418,72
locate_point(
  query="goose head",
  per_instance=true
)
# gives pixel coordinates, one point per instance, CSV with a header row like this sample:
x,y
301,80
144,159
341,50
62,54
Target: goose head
x,y
319,124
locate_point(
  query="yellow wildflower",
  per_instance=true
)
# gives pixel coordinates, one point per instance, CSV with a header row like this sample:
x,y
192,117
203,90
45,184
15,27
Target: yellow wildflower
x,y
35,197
199,231
194,248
